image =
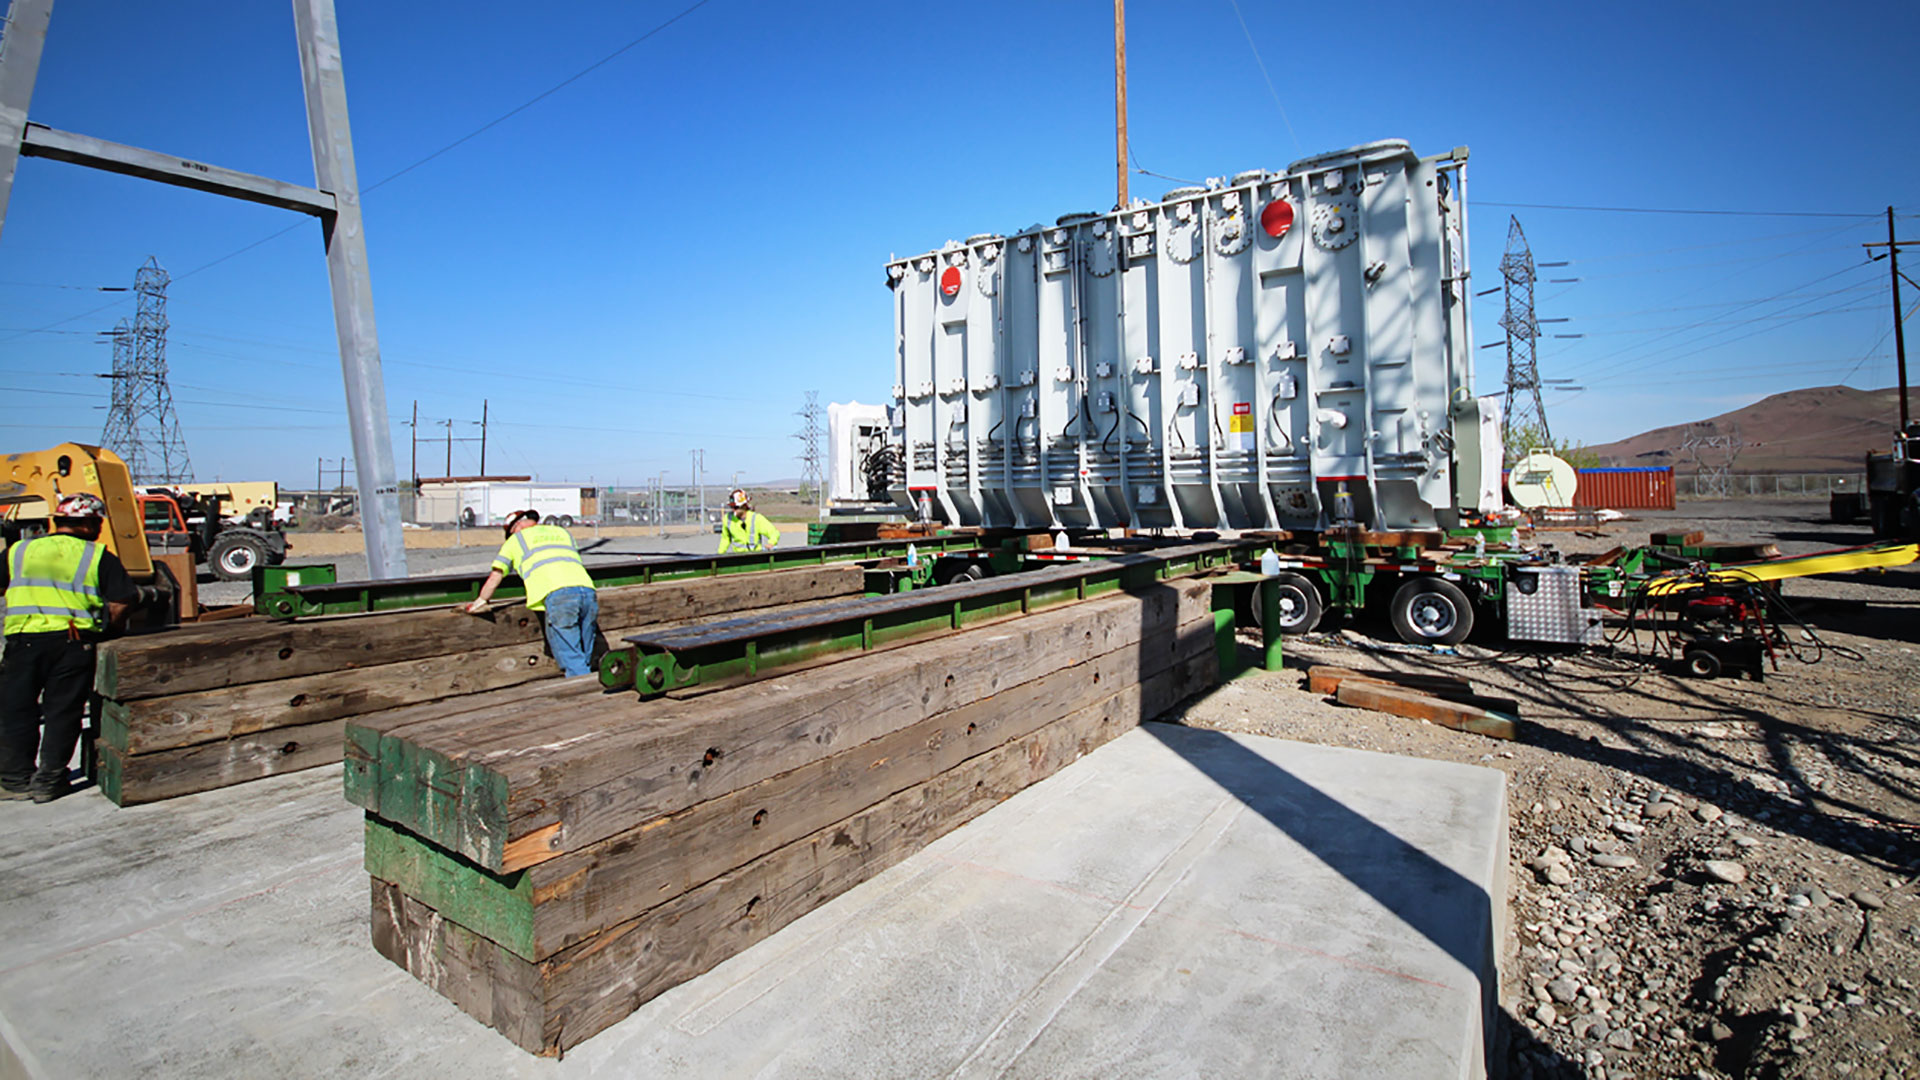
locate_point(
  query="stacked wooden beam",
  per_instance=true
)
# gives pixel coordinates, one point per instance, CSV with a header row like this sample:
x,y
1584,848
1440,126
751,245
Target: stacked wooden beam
x,y
550,859
202,707
1436,698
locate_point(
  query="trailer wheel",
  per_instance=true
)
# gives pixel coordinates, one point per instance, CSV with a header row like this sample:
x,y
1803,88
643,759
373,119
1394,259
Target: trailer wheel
x,y
566,521
1432,611
235,554
1701,663
1300,605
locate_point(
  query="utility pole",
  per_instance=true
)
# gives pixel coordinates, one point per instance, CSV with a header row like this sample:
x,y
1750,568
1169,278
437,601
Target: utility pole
x,y
1893,244
700,479
483,438
449,471
1120,96
413,437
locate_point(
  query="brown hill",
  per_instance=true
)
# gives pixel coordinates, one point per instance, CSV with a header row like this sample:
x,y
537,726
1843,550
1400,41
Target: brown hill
x,y
1819,429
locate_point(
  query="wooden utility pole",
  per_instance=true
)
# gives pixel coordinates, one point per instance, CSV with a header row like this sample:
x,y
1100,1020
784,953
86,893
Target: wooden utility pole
x,y
1120,96
1893,244
483,438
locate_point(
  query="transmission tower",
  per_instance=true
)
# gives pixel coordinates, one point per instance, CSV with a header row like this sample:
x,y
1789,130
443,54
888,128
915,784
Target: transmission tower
x,y
141,425
1523,408
1713,458
812,471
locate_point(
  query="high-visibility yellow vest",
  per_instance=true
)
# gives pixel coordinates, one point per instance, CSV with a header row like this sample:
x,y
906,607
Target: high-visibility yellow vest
x,y
756,533
545,559
53,583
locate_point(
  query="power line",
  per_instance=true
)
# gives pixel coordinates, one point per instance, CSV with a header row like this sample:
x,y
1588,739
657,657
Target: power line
x,y
495,122
1269,78
1767,300
1673,210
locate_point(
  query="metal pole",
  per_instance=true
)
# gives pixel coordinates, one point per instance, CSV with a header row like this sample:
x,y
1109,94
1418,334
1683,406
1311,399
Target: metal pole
x,y
1899,332
483,438
325,87
413,439
449,447
1120,96
319,485
26,36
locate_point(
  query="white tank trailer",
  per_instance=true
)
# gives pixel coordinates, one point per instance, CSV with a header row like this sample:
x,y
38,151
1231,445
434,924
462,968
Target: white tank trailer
x,y
1279,350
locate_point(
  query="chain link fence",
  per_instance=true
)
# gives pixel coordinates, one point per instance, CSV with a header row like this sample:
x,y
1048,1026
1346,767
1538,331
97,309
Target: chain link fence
x,y
1766,485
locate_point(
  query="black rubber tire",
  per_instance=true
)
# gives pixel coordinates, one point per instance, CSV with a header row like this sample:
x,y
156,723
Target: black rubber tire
x,y
1701,664
1301,606
234,555
468,517
958,574
1432,611
1883,513
566,521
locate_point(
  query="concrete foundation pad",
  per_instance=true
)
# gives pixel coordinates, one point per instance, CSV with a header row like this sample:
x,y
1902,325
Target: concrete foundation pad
x,y
1179,903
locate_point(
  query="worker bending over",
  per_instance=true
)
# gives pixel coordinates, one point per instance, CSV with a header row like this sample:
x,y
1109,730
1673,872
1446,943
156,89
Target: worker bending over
x,y
557,586
744,528
64,590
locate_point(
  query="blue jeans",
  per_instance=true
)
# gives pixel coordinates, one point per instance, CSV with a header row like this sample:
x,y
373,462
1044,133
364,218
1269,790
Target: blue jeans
x,y
572,615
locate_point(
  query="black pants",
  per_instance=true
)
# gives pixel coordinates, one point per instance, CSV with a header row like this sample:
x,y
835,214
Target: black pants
x,y
44,681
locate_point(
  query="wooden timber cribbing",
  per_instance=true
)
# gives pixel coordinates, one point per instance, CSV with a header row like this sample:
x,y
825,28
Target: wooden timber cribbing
x,y
208,706
511,786
782,812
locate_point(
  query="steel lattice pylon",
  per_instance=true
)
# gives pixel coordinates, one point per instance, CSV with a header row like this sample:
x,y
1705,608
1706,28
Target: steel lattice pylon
x,y
141,425
813,473
1523,407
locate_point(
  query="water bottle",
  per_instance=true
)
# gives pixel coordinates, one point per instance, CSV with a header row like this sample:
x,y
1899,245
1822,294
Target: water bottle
x,y
913,557
1269,562
1479,544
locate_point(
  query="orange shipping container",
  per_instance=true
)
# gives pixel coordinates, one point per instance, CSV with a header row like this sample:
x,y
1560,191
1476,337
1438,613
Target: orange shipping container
x,y
1625,489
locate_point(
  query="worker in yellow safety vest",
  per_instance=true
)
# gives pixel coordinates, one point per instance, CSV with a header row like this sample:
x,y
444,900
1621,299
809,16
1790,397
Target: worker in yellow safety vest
x,y
64,591
744,528
557,586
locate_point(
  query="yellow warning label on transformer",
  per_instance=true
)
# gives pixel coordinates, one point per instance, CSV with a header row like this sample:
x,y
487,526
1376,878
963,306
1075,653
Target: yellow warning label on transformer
x,y
1240,426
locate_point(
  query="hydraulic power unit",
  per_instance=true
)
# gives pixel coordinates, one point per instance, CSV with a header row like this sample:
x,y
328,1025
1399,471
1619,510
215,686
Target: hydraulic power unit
x,y
1278,350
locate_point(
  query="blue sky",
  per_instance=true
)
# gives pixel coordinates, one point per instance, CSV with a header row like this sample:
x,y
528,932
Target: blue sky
x,y
666,253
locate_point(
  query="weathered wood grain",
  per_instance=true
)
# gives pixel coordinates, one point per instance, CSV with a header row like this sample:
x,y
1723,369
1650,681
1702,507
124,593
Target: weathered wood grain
x,y
556,1003
1324,679
162,723
601,767
258,650
130,779
1401,701
547,907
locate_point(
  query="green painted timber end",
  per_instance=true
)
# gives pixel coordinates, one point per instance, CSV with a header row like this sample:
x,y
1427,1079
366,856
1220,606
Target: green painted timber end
x,y
498,907
455,806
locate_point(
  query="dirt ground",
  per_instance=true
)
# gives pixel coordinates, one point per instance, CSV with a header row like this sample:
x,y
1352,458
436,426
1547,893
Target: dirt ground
x,y
1710,878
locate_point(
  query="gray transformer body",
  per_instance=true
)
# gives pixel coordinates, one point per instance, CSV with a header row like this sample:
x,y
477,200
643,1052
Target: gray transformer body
x,y
1282,350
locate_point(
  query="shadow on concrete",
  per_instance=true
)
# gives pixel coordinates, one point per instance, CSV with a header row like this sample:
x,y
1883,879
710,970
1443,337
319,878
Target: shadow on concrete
x,y
1446,908
1876,748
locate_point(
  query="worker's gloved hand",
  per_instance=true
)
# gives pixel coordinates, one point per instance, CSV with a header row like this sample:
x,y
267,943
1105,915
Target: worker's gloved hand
x,y
478,607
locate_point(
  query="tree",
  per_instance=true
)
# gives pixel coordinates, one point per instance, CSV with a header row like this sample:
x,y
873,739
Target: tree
x,y
1527,438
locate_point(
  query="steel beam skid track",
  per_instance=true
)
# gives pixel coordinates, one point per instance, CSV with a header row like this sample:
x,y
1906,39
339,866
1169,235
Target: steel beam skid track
x,y
279,600
737,650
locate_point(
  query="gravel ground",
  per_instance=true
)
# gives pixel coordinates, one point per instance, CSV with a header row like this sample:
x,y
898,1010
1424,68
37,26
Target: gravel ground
x,y
1710,877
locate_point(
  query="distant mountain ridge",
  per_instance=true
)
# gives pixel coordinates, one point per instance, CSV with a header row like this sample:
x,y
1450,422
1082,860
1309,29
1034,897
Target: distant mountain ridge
x,y
1818,429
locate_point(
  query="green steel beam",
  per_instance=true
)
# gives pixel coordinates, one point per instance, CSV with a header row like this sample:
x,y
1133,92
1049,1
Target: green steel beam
x,y
291,592
753,647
